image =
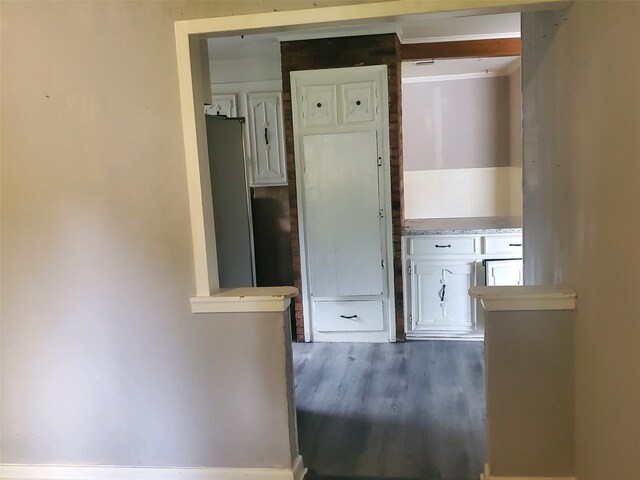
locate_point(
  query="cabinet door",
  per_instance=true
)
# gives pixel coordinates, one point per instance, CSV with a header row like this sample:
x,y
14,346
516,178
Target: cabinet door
x,y
504,272
342,214
266,139
440,295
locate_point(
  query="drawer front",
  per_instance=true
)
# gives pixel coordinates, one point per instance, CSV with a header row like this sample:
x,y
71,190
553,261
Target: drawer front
x,y
504,244
349,316
442,245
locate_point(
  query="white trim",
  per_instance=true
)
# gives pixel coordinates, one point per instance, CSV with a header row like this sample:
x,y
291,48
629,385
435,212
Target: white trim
x,y
258,86
455,38
457,76
298,469
486,475
101,472
257,299
527,297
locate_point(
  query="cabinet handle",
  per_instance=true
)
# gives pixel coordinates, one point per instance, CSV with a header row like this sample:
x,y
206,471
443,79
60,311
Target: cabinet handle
x,y
349,316
442,292
515,244
443,246
266,136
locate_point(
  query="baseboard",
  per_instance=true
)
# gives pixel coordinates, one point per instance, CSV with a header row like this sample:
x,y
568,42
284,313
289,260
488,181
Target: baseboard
x,y
99,472
487,476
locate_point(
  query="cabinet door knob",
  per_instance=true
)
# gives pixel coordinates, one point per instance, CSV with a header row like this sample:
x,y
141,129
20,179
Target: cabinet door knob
x,y
266,136
349,316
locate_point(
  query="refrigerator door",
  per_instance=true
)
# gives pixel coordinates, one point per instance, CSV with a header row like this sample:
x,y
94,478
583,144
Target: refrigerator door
x,y
231,207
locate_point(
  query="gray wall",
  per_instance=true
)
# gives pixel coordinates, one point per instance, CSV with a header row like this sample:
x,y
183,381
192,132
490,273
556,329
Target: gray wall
x,y
456,124
530,394
102,361
581,171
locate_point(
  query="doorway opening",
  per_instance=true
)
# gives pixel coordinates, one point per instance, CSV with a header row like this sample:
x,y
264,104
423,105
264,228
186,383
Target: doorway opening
x,y
409,410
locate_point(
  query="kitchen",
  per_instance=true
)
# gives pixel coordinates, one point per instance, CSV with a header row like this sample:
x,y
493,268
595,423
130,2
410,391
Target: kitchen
x,y
461,197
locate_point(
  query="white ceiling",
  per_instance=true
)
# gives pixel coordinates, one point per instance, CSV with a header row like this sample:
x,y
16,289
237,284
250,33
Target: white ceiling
x,y
408,29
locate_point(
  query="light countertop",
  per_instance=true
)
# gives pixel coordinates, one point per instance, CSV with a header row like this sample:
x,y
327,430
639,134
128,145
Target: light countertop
x,y
462,226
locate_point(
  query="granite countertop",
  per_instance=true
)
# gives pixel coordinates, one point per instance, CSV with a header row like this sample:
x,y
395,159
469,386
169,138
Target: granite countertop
x,y
461,226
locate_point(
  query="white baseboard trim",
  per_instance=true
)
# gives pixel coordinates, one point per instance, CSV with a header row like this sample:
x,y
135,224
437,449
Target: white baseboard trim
x,y
487,476
99,472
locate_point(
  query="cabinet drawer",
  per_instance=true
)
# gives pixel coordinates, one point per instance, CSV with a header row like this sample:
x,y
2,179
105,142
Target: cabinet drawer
x,y
348,316
442,245
503,244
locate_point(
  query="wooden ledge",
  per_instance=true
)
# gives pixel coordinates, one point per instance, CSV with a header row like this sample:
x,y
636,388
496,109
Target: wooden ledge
x,y
251,299
528,297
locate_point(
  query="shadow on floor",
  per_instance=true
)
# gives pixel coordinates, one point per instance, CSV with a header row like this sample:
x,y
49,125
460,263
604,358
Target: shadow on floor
x,y
408,450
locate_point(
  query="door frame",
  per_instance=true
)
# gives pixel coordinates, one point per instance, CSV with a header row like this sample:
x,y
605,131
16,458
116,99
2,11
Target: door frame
x,y
189,36
384,195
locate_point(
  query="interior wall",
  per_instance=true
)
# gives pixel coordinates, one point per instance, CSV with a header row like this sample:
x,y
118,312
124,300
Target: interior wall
x,y
581,143
457,136
515,140
102,361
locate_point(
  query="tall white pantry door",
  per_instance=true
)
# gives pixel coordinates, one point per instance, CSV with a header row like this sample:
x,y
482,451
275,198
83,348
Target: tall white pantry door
x,y
342,167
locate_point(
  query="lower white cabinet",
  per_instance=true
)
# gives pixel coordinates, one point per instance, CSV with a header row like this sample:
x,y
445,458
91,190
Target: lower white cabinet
x,y
349,316
503,272
441,301
438,272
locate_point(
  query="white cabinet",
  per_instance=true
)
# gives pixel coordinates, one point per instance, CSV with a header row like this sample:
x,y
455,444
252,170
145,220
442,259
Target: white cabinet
x,y
268,164
440,269
343,186
503,272
222,105
441,301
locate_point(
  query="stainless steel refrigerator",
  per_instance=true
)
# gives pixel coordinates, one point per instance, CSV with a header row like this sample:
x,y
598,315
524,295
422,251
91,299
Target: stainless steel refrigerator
x,y
231,204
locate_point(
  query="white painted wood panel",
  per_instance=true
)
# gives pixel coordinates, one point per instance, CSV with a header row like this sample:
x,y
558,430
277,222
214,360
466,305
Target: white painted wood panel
x,y
266,139
440,295
342,214
440,245
349,316
463,192
358,102
502,244
319,106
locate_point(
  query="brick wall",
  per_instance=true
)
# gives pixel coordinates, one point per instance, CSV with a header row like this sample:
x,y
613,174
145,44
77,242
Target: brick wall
x,y
337,53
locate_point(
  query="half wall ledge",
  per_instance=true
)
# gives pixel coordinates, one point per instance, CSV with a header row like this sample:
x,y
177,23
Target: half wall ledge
x,y
525,298
249,299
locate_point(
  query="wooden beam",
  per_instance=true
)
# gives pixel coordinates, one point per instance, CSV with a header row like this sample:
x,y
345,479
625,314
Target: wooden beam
x,y
499,47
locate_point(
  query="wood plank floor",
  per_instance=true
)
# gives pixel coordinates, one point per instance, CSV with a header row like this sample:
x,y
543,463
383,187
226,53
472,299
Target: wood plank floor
x,y
413,410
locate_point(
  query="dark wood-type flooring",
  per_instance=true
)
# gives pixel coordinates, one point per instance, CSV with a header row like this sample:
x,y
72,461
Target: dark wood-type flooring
x,y
404,411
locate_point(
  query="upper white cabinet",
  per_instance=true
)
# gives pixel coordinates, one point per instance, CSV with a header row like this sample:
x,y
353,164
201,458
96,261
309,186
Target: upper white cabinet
x,y
268,164
358,102
341,138
319,105
222,105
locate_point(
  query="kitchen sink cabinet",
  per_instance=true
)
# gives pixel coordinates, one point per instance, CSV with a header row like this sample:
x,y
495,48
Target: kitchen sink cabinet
x,y
438,271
